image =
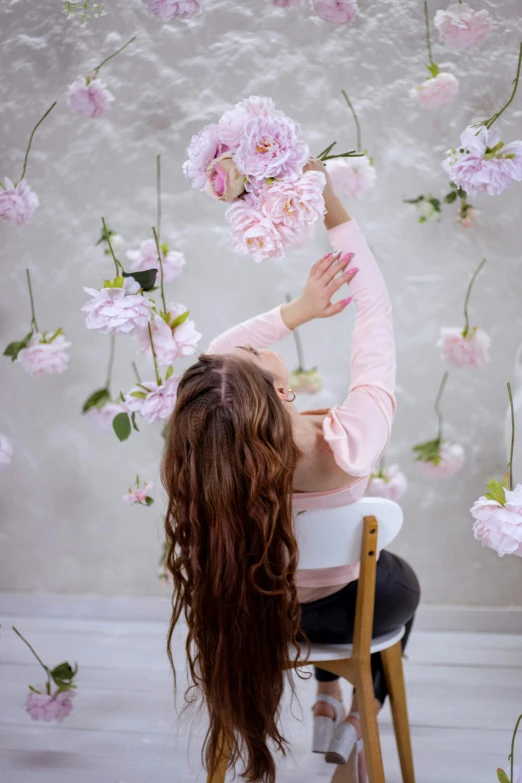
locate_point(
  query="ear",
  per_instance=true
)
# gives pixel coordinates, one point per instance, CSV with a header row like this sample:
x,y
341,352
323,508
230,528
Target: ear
x,y
282,392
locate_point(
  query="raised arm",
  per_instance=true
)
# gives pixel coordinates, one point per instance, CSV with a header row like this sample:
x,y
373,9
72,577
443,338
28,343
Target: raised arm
x,y
260,332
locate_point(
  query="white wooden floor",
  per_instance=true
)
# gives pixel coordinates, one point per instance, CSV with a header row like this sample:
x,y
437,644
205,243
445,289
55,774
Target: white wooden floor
x,y
465,693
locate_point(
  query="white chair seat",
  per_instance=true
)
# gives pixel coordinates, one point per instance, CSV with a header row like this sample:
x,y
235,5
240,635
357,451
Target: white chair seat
x,y
335,652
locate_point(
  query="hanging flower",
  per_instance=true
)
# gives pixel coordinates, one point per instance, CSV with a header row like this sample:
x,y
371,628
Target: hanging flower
x,y
440,459
437,91
305,381
428,207
388,483
45,355
173,335
154,401
43,704
6,450
118,308
498,516
139,495
462,28
204,147
146,257
88,96
17,202
352,177
467,215
115,239
169,9
336,11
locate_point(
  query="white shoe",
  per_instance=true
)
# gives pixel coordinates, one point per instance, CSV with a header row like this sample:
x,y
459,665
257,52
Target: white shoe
x,y
344,740
324,727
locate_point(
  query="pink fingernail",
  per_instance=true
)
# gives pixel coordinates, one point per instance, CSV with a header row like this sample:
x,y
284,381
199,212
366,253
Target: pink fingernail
x,y
353,271
347,301
347,256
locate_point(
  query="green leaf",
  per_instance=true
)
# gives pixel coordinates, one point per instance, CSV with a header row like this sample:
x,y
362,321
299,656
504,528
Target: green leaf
x,y
434,69
435,203
63,674
501,775
149,501
462,193
413,200
116,283
133,419
122,426
55,335
496,492
169,372
13,349
164,248
450,197
34,690
97,399
139,395
146,279
429,451
180,319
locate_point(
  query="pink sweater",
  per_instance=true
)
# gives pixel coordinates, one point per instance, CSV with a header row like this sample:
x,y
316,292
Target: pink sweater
x,y
358,430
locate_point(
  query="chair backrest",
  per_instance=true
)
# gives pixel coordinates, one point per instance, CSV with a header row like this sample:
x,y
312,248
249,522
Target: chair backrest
x,y
331,537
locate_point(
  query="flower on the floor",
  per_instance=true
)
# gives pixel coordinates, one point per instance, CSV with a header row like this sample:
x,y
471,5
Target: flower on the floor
x,y
88,96
352,177
152,400
169,9
118,308
388,483
461,27
336,11
146,257
17,202
173,335
459,350
6,450
139,493
436,91
305,381
45,355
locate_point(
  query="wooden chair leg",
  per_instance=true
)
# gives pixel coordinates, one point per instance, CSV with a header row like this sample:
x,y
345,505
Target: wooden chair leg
x,y
392,663
370,730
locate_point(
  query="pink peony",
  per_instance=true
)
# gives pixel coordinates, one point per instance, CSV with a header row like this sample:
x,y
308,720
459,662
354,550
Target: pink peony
x,y
451,460
17,202
158,401
437,90
139,494
6,450
103,417
45,358
225,182
117,310
352,177
204,147
286,3
500,527
461,27
232,123
146,257
254,233
42,706
296,204
169,344
459,351
482,163
305,381
271,147
168,9
391,483
88,96
336,11
467,216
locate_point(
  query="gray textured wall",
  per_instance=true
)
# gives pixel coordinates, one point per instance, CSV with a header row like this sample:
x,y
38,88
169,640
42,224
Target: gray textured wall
x,y
64,527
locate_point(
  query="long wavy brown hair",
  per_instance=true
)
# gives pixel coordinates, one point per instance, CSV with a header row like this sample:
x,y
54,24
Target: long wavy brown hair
x,y
228,469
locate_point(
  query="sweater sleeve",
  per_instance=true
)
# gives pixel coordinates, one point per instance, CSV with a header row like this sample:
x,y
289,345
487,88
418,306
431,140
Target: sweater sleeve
x,y
260,332
358,430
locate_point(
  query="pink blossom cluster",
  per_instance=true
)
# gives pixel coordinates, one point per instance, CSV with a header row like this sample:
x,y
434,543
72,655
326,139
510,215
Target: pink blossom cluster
x,y
254,158
483,163
388,483
45,356
170,9
146,257
17,202
43,706
470,351
170,341
499,526
153,401
139,495
117,310
88,96
461,27
6,450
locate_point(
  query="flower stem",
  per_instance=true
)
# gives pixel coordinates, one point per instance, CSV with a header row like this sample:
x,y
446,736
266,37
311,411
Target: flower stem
x,y
510,466
427,22
108,238
350,154
356,119
298,343
31,139
110,365
512,755
33,316
468,294
136,372
158,379
437,404
42,664
113,55
156,239
495,117
158,194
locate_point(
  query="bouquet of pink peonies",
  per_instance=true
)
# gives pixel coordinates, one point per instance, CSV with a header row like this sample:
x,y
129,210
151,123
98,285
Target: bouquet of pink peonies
x,y
254,158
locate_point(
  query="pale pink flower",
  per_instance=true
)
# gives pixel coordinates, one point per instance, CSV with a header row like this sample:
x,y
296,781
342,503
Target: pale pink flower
x,y
254,233
17,202
169,344
42,706
159,401
139,494
336,11
459,351
437,90
500,527
45,358
451,460
225,182
482,163
295,204
146,257
232,123
352,177
104,416
88,96
305,381
271,147
461,27
6,450
391,483
468,216
168,9
204,147
117,310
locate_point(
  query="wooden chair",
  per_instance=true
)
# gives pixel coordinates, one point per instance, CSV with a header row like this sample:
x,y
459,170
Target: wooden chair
x,y
328,538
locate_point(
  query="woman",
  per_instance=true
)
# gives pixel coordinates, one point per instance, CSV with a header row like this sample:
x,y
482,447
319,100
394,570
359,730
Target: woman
x,y
240,459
